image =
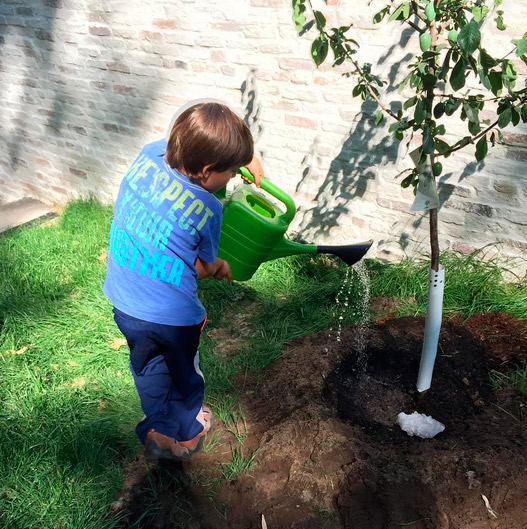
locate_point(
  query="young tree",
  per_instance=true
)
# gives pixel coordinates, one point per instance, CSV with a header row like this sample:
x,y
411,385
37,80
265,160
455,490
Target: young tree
x,y
453,52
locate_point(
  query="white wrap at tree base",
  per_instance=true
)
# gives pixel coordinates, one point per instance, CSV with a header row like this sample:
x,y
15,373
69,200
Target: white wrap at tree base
x,y
434,315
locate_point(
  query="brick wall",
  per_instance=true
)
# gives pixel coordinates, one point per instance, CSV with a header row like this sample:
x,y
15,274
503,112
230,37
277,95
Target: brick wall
x,y
85,83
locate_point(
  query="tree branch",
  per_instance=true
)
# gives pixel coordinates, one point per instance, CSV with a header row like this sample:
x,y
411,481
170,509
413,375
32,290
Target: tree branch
x,y
416,27
416,12
371,91
474,139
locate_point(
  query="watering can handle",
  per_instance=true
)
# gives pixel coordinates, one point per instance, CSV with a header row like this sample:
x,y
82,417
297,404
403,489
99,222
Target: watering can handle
x,y
276,192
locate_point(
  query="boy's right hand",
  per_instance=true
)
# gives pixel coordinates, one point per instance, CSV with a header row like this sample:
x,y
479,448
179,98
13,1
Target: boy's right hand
x,y
218,269
224,270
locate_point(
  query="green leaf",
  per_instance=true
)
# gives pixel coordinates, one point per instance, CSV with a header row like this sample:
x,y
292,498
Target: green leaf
x,y
298,14
500,24
320,19
508,74
496,82
429,81
402,12
380,15
484,79
410,102
469,38
379,117
307,27
482,148
451,106
419,114
479,13
505,118
524,113
407,181
521,46
457,79
439,110
474,128
319,50
357,90
441,145
486,61
471,112
515,116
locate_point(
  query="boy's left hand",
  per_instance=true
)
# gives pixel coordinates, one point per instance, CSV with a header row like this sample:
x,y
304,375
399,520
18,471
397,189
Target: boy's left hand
x,y
256,169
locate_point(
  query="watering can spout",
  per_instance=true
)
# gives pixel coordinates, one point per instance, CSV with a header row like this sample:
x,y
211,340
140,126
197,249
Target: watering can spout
x,y
350,254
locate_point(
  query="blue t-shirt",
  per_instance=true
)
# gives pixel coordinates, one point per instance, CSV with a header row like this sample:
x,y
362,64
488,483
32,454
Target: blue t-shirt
x,y
162,222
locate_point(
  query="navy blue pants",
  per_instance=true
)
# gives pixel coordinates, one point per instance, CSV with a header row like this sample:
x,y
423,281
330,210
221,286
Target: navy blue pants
x,y
164,362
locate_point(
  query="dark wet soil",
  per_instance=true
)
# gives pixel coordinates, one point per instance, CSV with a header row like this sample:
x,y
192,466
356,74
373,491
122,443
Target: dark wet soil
x,y
328,453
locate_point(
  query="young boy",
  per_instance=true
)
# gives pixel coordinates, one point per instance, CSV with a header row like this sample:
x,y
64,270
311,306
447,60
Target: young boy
x,y
164,237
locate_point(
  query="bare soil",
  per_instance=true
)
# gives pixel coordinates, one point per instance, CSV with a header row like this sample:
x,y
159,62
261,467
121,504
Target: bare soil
x,y
330,455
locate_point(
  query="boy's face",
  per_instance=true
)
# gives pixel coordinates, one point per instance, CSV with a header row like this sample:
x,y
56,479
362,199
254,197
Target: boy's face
x,y
212,181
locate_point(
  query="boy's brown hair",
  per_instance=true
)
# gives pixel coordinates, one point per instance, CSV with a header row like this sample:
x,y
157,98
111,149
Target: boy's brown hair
x,y
208,134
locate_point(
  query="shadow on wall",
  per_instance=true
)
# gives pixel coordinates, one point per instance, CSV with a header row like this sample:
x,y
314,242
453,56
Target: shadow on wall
x,y
253,107
80,108
356,164
349,174
36,47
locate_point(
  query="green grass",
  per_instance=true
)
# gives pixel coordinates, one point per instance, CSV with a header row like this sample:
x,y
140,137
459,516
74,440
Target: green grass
x,y
239,463
517,380
473,284
69,406
66,412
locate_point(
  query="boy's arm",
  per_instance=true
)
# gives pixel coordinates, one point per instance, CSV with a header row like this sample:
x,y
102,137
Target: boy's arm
x,y
218,269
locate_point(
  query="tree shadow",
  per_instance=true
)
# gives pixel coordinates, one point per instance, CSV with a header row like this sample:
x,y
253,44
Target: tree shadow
x,y
396,66
253,107
350,172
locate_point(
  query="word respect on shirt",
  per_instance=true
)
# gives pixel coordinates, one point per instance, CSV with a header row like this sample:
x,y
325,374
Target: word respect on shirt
x,y
186,210
140,227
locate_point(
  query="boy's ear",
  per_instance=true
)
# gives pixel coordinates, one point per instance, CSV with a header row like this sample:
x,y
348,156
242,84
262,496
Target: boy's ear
x,y
205,172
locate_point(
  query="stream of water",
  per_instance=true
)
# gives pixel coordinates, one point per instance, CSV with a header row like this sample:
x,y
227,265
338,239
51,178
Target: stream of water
x,y
359,307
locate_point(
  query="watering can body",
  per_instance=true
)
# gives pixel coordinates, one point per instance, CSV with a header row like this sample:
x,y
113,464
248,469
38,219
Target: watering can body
x,y
253,230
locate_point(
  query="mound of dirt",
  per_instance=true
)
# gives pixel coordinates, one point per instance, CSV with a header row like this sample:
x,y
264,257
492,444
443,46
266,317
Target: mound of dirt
x,y
321,422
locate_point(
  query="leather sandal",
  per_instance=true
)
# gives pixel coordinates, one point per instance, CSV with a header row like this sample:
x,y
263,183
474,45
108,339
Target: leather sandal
x,y
159,446
195,444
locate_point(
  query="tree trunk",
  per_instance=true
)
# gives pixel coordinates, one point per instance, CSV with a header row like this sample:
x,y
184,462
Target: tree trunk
x,y
434,241
434,308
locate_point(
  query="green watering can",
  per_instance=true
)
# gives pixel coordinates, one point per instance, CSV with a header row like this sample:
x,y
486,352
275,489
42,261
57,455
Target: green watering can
x,y
253,229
